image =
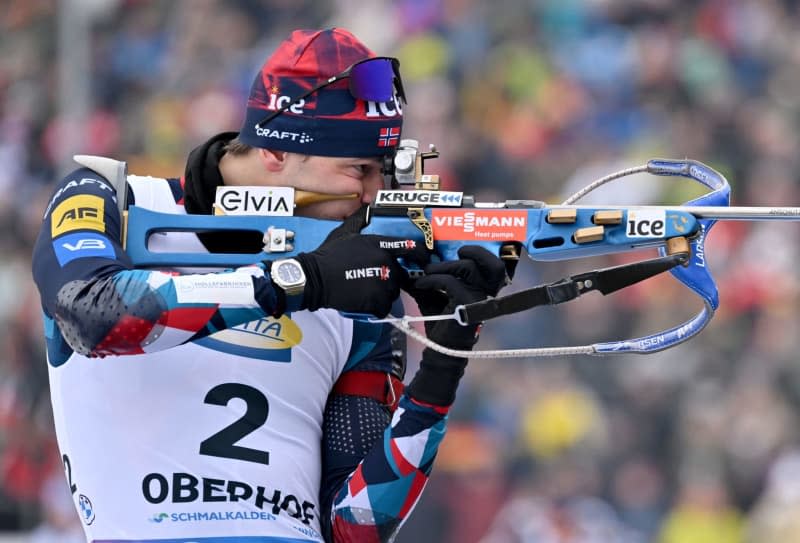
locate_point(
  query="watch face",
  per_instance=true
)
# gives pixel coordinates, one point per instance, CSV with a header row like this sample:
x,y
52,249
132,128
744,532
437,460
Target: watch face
x,y
289,273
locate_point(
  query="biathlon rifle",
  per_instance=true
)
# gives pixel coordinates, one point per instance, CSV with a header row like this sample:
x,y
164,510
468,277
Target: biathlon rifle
x,y
445,221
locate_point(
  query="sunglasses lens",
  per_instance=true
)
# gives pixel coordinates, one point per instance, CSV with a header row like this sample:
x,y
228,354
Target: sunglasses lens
x,y
373,80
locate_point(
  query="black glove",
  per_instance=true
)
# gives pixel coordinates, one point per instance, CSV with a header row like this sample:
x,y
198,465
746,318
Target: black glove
x,y
357,273
477,275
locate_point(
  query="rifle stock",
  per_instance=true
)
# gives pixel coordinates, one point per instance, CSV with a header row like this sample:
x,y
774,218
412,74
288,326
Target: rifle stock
x,y
547,233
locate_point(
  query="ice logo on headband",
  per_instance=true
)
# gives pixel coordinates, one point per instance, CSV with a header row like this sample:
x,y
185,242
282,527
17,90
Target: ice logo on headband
x,y
276,102
390,109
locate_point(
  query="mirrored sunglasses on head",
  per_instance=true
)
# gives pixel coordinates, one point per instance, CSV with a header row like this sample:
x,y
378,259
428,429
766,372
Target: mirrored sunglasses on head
x,y
373,79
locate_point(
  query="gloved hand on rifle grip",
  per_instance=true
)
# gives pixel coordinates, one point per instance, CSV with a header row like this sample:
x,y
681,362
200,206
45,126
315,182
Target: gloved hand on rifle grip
x,y
357,273
477,275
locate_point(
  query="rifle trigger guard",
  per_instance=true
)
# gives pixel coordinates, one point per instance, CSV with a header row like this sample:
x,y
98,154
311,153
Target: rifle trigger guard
x,y
417,216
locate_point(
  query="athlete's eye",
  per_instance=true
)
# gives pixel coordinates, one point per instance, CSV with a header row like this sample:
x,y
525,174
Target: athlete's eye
x,y
364,169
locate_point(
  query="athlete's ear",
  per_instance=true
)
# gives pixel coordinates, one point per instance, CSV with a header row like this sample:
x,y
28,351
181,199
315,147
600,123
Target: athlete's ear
x,y
274,161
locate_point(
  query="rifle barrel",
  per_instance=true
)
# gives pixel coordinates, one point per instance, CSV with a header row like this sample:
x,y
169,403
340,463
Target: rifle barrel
x,y
733,213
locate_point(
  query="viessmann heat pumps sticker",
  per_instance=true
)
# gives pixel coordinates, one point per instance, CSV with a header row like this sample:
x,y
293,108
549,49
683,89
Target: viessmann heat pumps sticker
x,y
479,224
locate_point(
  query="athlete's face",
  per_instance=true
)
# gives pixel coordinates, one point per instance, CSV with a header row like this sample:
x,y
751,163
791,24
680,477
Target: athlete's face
x,y
333,176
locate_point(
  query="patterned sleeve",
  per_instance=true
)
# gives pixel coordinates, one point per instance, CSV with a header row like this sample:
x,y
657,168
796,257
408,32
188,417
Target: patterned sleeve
x,y
375,463
378,496
95,304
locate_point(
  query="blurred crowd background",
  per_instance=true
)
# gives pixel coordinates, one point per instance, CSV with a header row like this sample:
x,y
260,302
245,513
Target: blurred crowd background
x,y
525,99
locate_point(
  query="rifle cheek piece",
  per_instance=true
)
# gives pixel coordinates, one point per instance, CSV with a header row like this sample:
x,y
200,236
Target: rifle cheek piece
x,y
304,198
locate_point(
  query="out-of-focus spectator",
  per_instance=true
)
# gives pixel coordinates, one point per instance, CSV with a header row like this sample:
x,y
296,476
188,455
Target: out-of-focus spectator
x,y
470,492
559,503
640,494
702,513
776,515
561,416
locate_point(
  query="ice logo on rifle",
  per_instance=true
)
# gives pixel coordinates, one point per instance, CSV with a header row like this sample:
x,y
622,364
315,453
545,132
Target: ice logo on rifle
x,y
86,508
644,223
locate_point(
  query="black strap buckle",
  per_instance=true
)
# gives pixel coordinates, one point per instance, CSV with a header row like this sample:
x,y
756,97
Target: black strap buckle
x,y
562,291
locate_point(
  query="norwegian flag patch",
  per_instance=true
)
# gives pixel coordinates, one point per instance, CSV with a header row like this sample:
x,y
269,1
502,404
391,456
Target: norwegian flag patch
x,y
388,137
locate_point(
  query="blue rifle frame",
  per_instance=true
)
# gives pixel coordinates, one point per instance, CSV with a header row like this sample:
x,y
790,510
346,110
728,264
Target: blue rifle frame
x,y
523,223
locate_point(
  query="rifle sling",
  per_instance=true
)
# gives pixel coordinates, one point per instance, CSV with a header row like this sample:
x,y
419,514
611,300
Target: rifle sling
x,y
606,281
